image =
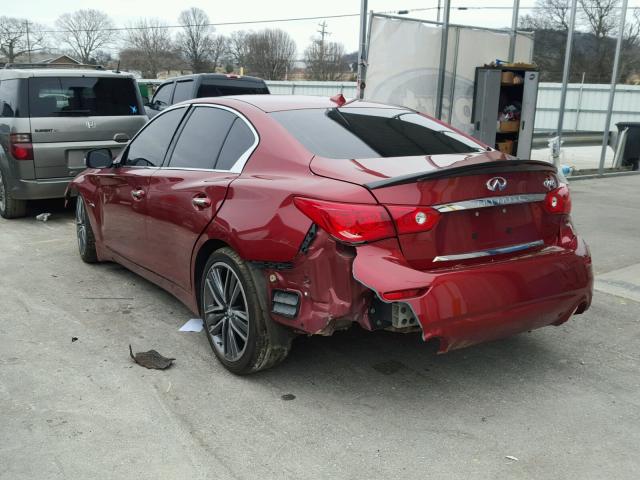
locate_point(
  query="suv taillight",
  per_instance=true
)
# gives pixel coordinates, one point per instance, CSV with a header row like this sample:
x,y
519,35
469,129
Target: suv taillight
x,y
558,201
20,146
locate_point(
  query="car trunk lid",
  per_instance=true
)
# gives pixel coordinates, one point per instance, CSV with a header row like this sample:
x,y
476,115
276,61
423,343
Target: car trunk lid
x,y
488,205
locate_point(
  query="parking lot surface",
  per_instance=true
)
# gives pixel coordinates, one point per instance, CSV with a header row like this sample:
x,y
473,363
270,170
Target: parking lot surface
x,y
561,402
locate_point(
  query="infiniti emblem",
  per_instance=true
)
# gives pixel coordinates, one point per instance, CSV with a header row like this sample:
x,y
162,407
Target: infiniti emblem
x,y
91,124
497,184
550,183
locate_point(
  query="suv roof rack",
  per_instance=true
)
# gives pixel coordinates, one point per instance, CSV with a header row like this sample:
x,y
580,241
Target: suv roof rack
x,y
53,65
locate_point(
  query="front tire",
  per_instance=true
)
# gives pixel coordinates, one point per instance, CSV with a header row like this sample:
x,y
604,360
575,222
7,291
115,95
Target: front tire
x,y
10,207
84,232
239,330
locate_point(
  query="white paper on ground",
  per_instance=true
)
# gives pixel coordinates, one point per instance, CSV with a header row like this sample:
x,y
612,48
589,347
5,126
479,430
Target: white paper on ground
x,y
193,325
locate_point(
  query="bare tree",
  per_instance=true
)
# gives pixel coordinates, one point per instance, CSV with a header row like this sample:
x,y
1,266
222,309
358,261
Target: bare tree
x,y
149,47
325,61
85,32
195,39
219,50
19,37
270,53
548,15
239,48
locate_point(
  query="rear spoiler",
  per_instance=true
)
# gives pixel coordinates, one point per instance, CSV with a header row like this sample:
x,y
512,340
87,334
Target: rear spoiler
x,y
499,166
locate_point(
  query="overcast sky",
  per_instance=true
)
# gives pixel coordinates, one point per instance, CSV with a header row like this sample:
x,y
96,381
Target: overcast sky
x,y
343,30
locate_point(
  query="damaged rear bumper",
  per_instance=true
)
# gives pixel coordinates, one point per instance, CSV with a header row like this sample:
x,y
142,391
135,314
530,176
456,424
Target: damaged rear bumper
x,y
477,303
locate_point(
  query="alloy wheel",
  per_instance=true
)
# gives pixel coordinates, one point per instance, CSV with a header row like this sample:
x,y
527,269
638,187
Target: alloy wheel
x,y
226,314
81,226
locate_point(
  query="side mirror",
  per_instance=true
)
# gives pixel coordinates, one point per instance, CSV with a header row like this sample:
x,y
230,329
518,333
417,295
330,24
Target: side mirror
x,y
99,158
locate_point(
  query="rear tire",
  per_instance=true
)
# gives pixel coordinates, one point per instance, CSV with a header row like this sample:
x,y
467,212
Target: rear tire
x,y
84,232
238,328
10,207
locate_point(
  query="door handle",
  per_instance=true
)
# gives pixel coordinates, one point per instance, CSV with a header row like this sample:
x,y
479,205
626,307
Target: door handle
x,y
201,202
137,194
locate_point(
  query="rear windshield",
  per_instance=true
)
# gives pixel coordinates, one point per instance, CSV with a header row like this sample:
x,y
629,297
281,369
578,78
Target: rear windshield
x,y
233,87
83,96
372,132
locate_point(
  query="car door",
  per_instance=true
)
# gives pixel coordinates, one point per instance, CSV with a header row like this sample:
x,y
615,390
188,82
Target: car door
x,y
212,146
123,189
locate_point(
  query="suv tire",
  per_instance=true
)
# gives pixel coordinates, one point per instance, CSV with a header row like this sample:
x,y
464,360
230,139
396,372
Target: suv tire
x,y
10,207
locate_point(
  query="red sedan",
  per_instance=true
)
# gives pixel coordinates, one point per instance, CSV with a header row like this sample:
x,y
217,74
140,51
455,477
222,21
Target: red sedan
x,y
271,216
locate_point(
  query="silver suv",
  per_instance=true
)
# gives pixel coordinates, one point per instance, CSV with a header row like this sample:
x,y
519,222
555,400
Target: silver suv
x,y
50,118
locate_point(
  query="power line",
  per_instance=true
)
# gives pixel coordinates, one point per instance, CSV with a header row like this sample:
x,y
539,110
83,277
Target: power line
x,y
278,20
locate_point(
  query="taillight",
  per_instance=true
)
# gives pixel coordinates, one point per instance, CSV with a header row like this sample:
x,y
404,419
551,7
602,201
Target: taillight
x,y
351,223
20,146
558,201
410,219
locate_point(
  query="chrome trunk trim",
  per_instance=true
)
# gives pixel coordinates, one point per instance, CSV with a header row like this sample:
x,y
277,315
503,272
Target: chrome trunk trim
x,y
489,252
490,202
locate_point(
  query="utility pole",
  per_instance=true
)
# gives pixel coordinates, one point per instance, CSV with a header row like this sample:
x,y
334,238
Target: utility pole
x,y
323,33
26,25
362,54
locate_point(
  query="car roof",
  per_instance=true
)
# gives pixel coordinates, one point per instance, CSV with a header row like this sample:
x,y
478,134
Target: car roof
x,y
215,76
11,73
275,103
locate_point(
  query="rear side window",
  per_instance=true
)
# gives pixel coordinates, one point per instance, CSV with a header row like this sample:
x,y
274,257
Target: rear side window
x,y
150,146
162,98
238,142
353,133
184,91
232,87
83,96
12,98
201,138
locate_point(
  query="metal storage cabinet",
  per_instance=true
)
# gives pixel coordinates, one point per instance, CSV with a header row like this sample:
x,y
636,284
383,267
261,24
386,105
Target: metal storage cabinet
x,y
491,96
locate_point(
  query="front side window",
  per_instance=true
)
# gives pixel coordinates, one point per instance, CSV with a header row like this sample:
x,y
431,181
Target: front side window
x,y
354,133
183,91
162,98
150,146
83,96
201,138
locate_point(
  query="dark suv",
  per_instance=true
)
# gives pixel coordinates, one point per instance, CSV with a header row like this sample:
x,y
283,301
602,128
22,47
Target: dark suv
x,y
50,118
201,85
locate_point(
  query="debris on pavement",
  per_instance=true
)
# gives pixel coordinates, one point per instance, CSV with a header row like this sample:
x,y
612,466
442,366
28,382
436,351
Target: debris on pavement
x,y
43,217
193,325
151,359
288,396
511,457
74,339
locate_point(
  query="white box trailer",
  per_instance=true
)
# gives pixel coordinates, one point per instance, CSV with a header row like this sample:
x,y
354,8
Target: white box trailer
x,y
403,59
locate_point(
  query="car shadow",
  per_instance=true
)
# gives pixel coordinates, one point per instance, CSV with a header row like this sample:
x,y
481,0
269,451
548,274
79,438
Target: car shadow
x,y
403,366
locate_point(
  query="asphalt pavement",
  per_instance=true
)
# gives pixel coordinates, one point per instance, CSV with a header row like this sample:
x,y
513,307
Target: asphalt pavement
x,y
557,403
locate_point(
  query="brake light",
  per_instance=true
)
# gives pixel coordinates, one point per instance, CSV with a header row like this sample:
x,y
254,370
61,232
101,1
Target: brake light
x,y
351,223
20,146
558,201
410,219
